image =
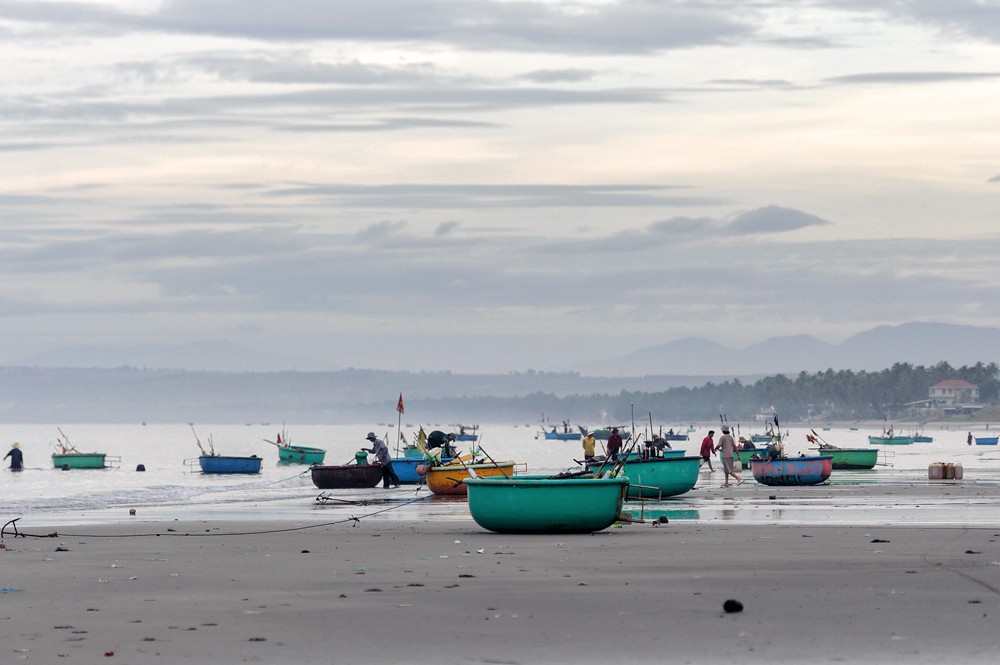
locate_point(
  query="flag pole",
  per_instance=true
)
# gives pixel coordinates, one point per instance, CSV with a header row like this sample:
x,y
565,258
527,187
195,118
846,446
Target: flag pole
x,y
399,422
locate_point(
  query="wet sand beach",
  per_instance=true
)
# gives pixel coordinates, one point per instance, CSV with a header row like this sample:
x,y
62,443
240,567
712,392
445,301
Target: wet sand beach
x,y
400,587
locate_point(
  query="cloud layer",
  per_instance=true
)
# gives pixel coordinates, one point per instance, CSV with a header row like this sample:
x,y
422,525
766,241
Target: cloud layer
x,y
484,186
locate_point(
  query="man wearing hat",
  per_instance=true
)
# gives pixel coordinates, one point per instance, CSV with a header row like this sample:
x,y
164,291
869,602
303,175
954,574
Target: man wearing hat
x,y
727,446
381,452
16,457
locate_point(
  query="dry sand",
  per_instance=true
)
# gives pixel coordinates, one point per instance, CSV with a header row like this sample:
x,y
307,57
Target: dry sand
x,y
381,590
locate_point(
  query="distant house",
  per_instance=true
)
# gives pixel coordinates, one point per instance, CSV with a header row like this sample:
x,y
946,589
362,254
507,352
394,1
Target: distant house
x,y
953,392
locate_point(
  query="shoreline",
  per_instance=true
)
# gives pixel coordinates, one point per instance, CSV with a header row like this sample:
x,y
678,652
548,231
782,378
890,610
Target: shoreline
x,y
448,591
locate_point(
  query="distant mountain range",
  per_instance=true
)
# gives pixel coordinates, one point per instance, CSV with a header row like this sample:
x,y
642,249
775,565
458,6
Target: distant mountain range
x,y
876,349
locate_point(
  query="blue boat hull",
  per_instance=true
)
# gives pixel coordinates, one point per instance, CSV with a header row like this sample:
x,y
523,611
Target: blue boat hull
x,y
221,464
563,436
406,468
792,471
986,440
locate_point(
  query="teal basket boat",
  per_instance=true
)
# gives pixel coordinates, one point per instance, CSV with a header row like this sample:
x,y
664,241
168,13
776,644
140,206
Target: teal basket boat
x,y
545,504
657,477
78,460
300,455
852,459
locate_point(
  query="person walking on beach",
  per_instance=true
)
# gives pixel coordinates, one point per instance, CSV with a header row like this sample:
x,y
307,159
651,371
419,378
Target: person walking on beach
x,y
727,446
968,439
16,457
707,450
589,443
381,452
614,443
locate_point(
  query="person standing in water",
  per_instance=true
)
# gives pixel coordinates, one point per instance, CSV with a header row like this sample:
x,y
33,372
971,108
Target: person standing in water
x,y
16,457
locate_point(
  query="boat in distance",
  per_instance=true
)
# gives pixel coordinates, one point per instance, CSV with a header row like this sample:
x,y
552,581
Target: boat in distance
x,y
75,460
545,504
555,435
300,455
895,440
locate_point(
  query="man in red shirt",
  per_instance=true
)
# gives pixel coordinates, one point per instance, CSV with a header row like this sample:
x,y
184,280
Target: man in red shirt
x,y
614,443
708,449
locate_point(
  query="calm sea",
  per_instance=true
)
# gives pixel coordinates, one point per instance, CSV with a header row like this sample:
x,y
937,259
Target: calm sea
x,y
172,486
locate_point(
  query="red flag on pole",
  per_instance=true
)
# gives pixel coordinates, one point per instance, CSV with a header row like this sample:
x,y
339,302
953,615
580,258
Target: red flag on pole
x,y
399,404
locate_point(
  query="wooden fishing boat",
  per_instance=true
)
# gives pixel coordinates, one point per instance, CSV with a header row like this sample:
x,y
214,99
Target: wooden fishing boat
x,y
895,440
225,464
657,477
545,504
676,437
922,438
348,476
467,433
446,479
792,470
986,440
291,454
852,459
75,460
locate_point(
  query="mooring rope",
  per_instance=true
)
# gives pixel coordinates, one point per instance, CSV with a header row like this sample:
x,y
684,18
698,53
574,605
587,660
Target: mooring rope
x,y
355,519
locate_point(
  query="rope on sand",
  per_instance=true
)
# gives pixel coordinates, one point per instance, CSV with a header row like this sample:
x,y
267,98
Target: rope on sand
x,y
353,519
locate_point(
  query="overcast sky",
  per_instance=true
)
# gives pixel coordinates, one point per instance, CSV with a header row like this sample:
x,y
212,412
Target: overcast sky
x,y
473,186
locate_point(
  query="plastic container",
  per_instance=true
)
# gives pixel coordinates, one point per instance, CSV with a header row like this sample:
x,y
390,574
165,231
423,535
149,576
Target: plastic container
x,y
935,471
361,458
949,471
958,471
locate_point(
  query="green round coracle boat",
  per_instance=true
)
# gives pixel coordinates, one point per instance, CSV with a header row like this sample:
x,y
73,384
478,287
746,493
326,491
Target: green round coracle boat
x,y
545,504
657,477
852,458
73,460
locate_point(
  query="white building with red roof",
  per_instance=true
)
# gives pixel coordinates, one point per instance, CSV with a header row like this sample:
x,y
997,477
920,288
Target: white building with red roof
x,y
953,392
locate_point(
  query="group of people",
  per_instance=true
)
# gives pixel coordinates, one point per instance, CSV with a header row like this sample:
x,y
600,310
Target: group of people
x,y
727,447
613,448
